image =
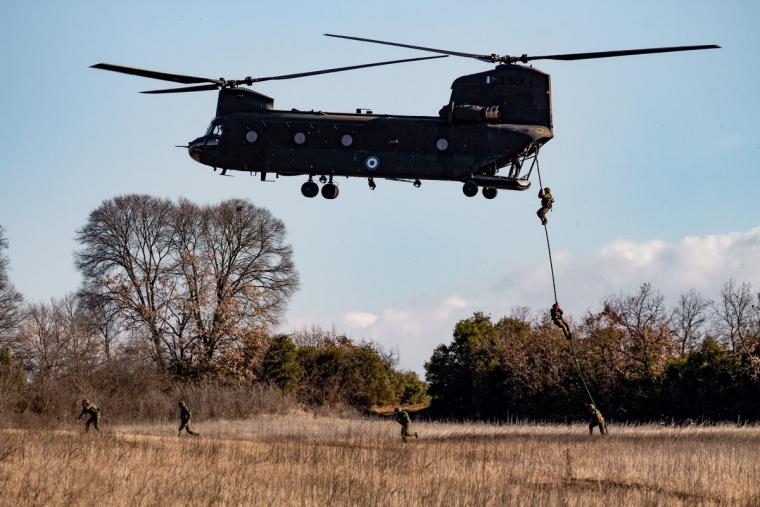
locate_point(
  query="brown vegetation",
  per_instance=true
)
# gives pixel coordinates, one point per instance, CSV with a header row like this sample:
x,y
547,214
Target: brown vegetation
x,y
301,459
700,360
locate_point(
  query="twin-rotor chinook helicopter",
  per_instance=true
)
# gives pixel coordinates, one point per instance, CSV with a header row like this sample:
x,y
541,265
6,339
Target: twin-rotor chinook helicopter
x,y
497,119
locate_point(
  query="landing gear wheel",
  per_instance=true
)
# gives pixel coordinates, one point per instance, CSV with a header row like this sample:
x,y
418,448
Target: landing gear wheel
x,y
330,191
309,189
489,192
470,189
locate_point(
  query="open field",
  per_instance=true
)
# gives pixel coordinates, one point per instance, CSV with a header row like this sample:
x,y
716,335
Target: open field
x,y
301,459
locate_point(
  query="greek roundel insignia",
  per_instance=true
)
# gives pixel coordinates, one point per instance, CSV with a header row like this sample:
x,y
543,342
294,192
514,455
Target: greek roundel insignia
x,y
372,163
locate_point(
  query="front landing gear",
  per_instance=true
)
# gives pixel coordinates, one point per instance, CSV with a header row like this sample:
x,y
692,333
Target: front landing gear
x,y
489,192
309,189
330,191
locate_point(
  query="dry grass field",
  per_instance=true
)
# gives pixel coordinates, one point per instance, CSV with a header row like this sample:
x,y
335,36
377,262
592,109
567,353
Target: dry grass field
x,y
301,459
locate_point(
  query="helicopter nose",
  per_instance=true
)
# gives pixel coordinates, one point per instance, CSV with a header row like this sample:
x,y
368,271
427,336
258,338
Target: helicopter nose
x,y
195,148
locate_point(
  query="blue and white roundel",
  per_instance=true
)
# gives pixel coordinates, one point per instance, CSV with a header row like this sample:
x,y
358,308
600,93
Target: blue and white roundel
x,y
372,163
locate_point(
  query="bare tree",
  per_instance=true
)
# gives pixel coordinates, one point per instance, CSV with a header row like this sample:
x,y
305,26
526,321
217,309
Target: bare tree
x,y
78,335
643,319
315,336
126,258
235,272
687,318
40,343
735,316
253,270
103,319
196,279
10,298
55,344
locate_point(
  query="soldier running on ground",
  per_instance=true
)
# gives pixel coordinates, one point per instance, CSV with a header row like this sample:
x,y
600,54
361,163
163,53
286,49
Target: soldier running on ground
x,y
402,417
597,419
184,419
93,411
545,194
559,321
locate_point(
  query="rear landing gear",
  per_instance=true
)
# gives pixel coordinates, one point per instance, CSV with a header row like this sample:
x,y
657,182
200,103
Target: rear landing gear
x,y
309,189
489,192
470,189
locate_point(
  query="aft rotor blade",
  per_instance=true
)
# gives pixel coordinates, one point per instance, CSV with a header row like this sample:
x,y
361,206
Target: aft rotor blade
x,y
199,88
610,54
337,69
486,58
165,76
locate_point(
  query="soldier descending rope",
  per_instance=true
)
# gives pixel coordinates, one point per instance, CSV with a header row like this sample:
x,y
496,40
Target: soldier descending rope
x,y
93,411
597,419
545,194
559,321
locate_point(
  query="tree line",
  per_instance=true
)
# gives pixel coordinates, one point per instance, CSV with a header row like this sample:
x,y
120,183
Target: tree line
x,y
181,299
176,294
697,360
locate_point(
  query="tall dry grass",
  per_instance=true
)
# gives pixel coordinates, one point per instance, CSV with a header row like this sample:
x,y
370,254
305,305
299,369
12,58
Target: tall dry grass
x,y
302,459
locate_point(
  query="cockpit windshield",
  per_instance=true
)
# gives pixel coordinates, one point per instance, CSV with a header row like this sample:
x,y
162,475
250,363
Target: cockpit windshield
x,y
215,129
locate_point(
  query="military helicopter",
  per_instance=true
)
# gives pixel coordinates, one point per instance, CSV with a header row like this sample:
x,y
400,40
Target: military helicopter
x,y
497,119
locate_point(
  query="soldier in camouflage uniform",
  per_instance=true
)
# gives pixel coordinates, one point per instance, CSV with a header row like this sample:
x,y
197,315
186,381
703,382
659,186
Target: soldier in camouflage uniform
x,y
545,194
184,419
559,321
597,419
402,417
94,413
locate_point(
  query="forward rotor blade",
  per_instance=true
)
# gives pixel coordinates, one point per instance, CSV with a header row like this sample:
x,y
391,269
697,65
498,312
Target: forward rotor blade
x,y
486,58
165,76
337,69
199,88
610,54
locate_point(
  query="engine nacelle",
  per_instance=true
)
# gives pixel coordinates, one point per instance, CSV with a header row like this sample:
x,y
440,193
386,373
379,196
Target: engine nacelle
x,y
470,113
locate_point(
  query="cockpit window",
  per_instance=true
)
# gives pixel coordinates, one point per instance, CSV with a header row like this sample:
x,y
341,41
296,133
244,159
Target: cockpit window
x,y
215,129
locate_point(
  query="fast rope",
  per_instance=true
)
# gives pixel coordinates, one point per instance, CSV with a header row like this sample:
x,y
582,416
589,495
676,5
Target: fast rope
x,y
556,300
548,243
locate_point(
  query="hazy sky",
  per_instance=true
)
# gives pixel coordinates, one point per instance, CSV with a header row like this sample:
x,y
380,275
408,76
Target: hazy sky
x,y
654,164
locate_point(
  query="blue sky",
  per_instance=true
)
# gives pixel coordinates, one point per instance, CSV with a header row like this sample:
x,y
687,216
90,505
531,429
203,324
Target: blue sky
x,y
654,162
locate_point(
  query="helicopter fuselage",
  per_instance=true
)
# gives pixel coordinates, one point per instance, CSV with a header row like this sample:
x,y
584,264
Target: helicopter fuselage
x,y
493,119
362,145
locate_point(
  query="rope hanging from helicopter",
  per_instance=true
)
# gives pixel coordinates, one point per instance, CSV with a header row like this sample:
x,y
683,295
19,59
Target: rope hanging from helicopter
x,y
554,284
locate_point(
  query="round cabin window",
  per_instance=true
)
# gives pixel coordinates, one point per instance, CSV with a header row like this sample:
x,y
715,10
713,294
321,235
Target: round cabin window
x,y
251,136
442,144
299,138
347,140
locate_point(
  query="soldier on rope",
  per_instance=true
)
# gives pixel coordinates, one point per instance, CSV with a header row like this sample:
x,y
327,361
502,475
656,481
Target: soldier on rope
x,y
557,316
597,419
545,194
